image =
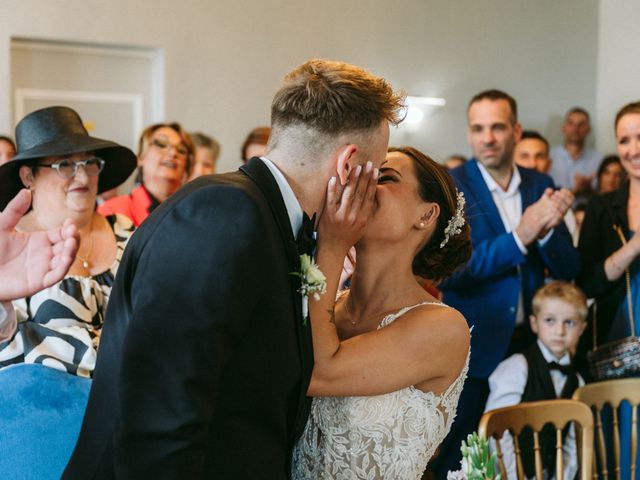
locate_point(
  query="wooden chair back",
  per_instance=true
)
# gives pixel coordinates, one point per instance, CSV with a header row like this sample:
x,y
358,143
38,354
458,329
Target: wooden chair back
x,y
612,392
536,415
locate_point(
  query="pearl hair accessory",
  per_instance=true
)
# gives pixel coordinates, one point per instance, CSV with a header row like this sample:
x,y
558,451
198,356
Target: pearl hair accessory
x,y
456,222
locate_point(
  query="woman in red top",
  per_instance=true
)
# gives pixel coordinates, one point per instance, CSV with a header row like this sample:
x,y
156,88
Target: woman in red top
x,y
165,153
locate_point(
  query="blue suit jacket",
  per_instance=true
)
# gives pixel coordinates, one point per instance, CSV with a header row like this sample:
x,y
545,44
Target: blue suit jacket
x,y
487,289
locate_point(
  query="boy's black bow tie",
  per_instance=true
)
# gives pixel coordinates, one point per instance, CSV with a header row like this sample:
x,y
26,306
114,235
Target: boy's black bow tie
x,y
566,369
306,240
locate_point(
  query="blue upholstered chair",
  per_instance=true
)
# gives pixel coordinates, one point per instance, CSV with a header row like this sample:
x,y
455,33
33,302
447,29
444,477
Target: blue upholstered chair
x,y
41,411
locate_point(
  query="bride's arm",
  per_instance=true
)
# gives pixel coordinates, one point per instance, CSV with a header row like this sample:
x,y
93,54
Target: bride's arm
x,y
427,348
343,219
429,344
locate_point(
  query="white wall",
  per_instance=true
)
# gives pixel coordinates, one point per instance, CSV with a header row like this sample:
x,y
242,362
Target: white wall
x,y
224,59
618,65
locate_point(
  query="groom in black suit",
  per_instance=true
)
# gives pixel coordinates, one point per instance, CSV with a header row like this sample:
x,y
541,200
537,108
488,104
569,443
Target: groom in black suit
x,y
205,359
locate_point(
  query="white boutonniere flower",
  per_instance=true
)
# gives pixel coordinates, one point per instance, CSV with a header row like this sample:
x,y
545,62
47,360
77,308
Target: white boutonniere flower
x,y
312,282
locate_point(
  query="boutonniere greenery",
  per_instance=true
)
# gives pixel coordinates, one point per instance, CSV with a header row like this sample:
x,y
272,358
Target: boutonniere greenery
x,y
312,282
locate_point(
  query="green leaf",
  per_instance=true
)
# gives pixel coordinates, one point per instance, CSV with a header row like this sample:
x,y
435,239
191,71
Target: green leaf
x,y
478,462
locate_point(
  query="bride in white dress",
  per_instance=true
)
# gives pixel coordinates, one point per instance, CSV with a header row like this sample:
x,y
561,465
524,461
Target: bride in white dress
x,y
390,359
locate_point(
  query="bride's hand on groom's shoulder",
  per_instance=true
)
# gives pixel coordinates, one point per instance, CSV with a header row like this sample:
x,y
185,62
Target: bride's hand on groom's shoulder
x,y
347,209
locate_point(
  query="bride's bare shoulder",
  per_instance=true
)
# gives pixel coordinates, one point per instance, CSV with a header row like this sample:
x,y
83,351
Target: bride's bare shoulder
x,y
439,316
445,338
442,325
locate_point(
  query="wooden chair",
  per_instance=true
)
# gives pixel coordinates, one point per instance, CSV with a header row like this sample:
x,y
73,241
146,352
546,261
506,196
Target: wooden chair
x,y
612,392
536,415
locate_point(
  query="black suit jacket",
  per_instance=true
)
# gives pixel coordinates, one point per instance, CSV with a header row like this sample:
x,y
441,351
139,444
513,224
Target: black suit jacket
x,y
204,360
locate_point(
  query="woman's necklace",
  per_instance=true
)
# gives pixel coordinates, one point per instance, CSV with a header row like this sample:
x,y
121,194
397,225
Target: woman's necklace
x,y
86,264
350,313
355,320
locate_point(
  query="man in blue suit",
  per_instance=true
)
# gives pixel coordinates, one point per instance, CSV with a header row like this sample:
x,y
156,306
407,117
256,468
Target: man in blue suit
x,y
518,234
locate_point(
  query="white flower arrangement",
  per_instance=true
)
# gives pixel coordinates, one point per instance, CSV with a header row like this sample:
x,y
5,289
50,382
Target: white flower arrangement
x,y
312,282
477,462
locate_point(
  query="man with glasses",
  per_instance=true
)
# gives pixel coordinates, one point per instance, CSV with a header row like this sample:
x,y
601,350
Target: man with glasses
x,y
165,154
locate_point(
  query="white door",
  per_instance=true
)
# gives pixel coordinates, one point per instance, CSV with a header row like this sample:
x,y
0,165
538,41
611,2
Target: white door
x,y
116,90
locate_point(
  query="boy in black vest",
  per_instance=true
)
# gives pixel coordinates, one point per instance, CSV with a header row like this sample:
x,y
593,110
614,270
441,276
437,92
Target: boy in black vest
x,y
543,372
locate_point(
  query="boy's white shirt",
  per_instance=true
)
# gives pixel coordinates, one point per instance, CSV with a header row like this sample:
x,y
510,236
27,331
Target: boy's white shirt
x,y
507,383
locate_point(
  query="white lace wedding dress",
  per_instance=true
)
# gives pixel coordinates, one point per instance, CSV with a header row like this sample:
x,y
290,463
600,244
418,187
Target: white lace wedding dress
x,y
389,436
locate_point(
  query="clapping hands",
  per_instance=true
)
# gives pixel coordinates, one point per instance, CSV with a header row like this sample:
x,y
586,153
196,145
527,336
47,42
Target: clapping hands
x,y
545,214
30,262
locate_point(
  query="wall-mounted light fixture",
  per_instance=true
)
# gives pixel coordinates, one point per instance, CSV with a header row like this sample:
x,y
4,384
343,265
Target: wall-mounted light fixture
x,y
415,112
435,101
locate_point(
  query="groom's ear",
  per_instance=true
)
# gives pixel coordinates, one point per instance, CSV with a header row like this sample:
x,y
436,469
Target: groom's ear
x,y
346,161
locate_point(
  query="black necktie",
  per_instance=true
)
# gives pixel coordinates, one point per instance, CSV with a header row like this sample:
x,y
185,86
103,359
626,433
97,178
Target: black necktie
x,y
566,369
306,240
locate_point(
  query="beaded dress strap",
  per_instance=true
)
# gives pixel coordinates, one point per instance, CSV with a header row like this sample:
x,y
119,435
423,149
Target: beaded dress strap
x,y
393,316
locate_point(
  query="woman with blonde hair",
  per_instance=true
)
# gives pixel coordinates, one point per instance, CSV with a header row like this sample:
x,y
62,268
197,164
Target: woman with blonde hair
x,y
165,153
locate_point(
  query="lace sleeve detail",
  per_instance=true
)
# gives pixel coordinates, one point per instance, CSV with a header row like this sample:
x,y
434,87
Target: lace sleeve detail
x,y
449,399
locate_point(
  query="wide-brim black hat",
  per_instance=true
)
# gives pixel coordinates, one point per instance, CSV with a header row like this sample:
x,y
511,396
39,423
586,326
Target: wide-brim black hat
x,y
55,132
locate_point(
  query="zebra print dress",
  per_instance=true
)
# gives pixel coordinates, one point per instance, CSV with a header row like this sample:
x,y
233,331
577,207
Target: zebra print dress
x,y
60,326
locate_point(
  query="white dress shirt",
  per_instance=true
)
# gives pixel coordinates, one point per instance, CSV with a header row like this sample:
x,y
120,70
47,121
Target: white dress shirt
x,y
291,203
509,205
508,202
507,383
294,210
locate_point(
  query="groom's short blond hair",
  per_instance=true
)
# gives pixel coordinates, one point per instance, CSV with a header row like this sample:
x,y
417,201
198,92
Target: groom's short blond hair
x,y
332,98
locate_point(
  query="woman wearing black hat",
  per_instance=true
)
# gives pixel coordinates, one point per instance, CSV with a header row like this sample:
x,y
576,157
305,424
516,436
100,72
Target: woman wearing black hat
x,y
66,169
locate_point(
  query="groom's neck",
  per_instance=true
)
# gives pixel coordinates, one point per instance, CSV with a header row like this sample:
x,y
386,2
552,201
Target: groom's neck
x,y
306,177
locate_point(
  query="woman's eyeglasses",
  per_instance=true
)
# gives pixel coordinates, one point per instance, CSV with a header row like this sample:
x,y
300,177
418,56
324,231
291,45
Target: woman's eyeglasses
x,y
163,145
67,168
